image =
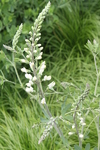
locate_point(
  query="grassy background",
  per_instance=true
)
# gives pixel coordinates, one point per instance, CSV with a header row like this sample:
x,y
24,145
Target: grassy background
x,y
66,30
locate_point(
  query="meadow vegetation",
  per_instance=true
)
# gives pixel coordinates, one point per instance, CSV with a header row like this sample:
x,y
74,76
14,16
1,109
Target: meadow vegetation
x,y
49,96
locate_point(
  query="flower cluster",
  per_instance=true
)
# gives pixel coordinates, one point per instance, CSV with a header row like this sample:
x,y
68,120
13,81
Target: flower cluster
x,y
33,55
47,130
79,121
93,47
81,124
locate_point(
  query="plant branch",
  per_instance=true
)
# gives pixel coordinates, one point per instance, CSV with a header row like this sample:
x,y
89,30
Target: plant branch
x,y
81,98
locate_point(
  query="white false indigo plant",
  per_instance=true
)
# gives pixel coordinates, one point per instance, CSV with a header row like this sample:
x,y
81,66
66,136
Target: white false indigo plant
x,y
34,74
94,48
32,55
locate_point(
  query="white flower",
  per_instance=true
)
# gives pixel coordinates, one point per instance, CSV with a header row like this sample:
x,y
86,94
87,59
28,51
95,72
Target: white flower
x,y
38,45
38,31
27,56
35,51
23,60
32,28
24,70
30,33
83,123
28,76
27,41
39,34
73,126
29,89
43,101
37,39
31,65
33,44
94,42
46,78
51,85
38,57
30,83
41,53
71,133
31,39
81,135
42,67
41,48
89,42
26,49
34,78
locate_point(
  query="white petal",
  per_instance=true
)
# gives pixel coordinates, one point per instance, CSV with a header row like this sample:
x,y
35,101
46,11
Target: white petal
x,y
73,126
46,78
71,133
24,70
81,135
51,85
28,76
34,78
43,101
29,89
23,60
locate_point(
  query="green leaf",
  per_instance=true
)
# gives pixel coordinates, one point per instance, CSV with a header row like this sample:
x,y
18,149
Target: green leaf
x,y
12,31
45,113
76,147
26,27
0,38
5,21
65,141
64,103
2,55
87,147
63,5
1,80
65,108
69,117
1,25
43,120
95,148
7,66
17,60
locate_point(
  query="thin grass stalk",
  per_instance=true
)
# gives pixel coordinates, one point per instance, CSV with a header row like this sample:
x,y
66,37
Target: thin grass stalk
x,y
95,92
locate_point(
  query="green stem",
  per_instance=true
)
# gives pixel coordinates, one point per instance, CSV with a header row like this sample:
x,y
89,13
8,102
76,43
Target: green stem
x,y
41,93
18,75
97,80
99,140
95,91
14,65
